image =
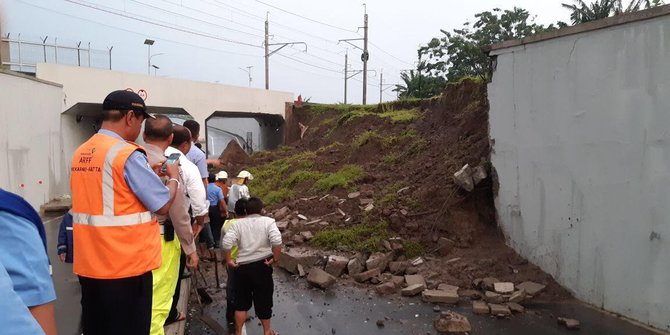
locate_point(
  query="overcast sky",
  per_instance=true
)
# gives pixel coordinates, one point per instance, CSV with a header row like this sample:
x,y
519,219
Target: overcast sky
x,y
210,40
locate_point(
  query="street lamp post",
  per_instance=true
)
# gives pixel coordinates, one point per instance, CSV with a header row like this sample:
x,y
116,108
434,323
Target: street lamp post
x,y
149,43
155,68
152,56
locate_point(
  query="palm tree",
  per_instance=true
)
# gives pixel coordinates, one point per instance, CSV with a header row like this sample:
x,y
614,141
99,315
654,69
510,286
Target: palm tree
x,y
418,85
600,9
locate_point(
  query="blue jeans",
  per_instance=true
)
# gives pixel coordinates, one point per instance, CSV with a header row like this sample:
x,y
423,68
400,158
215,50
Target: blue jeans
x,y
206,236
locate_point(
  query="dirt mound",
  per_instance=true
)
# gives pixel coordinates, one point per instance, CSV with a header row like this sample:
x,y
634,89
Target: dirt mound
x,y
400,157
233,155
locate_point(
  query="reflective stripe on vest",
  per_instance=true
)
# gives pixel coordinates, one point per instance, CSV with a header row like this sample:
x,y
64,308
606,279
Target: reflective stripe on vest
x,y
108,179
111,220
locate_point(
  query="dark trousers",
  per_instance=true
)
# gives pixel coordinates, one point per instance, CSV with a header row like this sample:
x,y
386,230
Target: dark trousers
x,y
116,306
216,222
253,285
230,298
174,313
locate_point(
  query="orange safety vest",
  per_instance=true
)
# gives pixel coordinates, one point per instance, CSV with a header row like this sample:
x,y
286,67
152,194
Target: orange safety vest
x,y
115,236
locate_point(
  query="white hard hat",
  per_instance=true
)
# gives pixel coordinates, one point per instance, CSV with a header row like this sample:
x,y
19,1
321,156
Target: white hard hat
x,y
245,174
221,175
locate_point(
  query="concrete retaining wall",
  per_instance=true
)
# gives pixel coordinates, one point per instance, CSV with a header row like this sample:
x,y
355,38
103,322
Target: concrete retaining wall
x,y
30,147
580,126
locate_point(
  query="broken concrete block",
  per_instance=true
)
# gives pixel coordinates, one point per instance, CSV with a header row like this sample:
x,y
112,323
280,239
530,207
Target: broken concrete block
x,y
398,280
463,178
353,195
312,222
377,260
302,217
398,268
503,288
369,207
445,297
500,310
298,239
307,235
480,307
367,275
517,296
385,288
478,174
515,308
282,213
301,270
365,202
282,225
531,288
335,265
413,290
493,298
451,322
487,283
447,287
320,278
412,270
416,261
414,279
571,324
288,263
355,266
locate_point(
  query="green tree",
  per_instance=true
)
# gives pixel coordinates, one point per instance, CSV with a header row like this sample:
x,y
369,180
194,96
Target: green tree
x,y
417,85
582,12
458,54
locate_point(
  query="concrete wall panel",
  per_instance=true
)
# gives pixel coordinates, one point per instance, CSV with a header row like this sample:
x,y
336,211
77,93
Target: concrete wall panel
x,y
581,135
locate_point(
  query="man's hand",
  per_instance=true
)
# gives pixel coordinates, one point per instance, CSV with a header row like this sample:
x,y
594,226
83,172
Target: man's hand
x,y
172,170
232,264
192,261
61,257
269,261
157,168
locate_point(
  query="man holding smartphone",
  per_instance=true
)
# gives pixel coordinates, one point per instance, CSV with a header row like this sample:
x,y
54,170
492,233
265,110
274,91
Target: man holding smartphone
x,y
158,134
115,194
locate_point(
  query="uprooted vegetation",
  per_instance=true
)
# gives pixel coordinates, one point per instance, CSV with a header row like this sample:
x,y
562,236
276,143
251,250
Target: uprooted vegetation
x,y
363,175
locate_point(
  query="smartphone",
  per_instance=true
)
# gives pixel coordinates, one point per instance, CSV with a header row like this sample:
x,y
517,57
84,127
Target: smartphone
x,y
170,160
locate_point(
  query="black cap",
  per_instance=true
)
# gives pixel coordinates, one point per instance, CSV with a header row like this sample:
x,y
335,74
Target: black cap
x,y
125,100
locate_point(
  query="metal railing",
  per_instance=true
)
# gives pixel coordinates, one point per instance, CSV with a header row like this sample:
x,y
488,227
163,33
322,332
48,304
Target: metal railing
x,y
23,55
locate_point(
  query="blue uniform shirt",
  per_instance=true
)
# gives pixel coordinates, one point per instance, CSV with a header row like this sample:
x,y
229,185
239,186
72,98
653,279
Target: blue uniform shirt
x,y
214,194
142,180
15,317
198,158
23,256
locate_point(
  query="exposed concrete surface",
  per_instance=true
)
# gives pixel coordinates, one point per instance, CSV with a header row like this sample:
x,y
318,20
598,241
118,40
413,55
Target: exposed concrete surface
x,y
581,147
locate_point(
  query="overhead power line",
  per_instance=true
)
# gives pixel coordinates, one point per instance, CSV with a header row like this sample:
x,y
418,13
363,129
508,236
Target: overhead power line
x,y
306,18
161,24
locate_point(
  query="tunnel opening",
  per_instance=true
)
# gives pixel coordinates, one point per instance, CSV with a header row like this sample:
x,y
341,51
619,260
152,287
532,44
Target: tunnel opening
x,y
251,131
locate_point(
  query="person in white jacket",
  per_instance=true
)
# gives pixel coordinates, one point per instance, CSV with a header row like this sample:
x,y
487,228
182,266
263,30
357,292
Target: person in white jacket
x,y
239,190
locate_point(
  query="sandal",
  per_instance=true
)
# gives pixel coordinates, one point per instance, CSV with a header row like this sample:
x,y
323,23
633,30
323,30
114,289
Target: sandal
x,y
181,316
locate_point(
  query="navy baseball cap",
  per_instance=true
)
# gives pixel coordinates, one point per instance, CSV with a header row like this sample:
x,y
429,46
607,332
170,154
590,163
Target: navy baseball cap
x,y
123,100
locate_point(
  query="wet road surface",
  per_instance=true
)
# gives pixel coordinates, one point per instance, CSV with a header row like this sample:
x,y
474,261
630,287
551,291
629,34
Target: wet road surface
x,y
300,309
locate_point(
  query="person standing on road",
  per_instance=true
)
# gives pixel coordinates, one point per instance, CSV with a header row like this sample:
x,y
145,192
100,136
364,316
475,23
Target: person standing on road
x,y
222,182
196,155
239,190
64,246
26,289
158,136
259,243
240,212
116,236
217,209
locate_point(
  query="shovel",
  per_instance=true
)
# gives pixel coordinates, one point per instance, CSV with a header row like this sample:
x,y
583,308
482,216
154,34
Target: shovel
x,y
216,269
206,319
203,296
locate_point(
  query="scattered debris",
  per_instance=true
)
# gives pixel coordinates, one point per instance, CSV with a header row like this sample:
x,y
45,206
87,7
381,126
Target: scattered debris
x,y
531,288
417,261
446,297
369,207
518,296
480,307
380,323
353,195
336,265
307,235
367,275
302,217
451,322
414,279
500,310
503,288
355,266
413,290
385,288
492,297
515,308
571,324
478,174
463,178
320,278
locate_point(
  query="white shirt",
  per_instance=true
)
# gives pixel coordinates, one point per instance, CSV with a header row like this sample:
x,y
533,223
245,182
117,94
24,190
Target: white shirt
x,y
194,188
236,192
254,235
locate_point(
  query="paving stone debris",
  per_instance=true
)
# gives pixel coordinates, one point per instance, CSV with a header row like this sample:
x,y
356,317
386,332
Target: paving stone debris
x,y
437,296
307,235
414,279
282,213
518,296
336,265
571,324
500,310
531,288
398,268
480,307
478,174
463,178
377,260
503,288
413,290
367,275
353,195
515,308
385,288
320,278
492,297
355,266
302,217
452,322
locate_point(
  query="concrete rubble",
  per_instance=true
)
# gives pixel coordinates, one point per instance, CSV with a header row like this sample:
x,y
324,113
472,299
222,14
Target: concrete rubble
x,y
437,296
571,324
413,290
452,322
480,307
415,279
367,275
320,278
463,178
500,310
531,288
355,266
503,288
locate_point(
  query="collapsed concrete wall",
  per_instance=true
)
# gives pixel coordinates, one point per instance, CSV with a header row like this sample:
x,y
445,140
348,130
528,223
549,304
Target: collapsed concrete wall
x,y
579,126
30,143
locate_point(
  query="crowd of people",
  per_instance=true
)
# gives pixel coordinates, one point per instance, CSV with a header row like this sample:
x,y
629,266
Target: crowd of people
x,y
138,213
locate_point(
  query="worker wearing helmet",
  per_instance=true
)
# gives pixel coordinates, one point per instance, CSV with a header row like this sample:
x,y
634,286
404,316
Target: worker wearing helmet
x,y
239,190
222,182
